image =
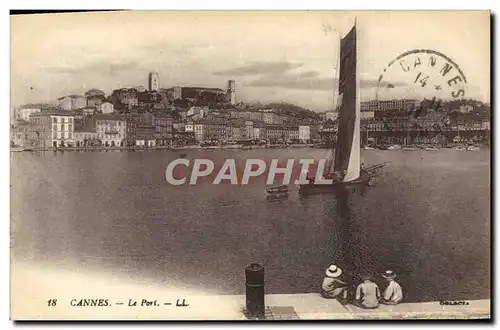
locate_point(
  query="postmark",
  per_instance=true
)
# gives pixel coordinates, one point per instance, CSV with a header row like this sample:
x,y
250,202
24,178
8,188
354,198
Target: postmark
x,y
422,73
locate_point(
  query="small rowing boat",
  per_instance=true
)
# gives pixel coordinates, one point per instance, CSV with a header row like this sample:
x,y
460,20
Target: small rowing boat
x,y
274,190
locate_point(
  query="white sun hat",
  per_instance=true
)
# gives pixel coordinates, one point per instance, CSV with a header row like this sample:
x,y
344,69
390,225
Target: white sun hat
x,y
333,271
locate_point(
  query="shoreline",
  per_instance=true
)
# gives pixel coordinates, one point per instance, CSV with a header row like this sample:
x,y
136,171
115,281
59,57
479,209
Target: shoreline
x,y
226,147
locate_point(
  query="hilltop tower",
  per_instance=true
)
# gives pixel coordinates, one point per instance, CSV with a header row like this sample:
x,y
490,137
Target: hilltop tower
x,y
231,91
154,82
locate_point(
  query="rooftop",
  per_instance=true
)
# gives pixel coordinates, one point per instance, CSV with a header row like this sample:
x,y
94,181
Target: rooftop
x,y
53,113
108,116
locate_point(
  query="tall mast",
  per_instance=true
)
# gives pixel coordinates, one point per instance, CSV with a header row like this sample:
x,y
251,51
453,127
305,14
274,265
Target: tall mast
x,y
347,153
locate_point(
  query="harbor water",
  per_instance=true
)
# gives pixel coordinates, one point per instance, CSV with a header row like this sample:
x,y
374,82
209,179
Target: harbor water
x,y
427,218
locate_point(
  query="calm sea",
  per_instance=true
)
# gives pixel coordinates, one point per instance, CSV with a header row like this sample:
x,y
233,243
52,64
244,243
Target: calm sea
x,y
427,218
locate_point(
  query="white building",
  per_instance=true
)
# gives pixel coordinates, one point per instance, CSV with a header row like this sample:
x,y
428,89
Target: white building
x,y
249,131
88,111
107,107
331,115
111,130
258,133
83,137
189,127
24,112
304,133
367,114
145,143
197,113
198,132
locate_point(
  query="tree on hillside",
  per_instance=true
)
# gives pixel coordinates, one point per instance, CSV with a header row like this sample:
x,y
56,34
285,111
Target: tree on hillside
x,y
95,92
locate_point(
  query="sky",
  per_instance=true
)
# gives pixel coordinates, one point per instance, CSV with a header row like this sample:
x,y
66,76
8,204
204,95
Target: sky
x,y
288,56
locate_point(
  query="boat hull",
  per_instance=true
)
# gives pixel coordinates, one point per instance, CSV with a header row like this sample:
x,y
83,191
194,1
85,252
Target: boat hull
x,y
335,187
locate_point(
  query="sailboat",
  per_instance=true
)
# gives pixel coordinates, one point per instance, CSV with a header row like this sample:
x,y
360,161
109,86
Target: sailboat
x,y
345,169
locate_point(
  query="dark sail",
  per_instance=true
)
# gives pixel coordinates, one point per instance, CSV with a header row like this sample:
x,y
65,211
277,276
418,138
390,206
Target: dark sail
x,y
347,100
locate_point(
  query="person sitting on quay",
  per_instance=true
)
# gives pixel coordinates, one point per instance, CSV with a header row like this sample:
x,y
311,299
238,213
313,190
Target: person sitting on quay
x,y
367,293
393,294
332,286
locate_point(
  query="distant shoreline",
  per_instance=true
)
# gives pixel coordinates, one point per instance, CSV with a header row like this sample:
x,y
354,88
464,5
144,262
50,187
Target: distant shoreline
x,y
195,147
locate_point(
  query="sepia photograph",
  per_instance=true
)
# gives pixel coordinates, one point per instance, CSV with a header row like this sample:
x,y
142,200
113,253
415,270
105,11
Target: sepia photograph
x,y
250,165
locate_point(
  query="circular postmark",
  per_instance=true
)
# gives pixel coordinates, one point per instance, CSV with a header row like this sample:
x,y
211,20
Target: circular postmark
x,y
422,74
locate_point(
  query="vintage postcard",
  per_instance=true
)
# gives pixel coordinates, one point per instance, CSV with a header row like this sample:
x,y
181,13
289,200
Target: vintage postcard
x,y
250,165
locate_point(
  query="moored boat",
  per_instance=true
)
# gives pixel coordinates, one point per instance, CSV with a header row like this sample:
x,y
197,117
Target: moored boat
x,y
431,149
278,190
394,147
472,148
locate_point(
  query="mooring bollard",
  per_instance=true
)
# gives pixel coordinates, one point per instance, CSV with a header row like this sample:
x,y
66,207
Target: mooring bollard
x,y
254,280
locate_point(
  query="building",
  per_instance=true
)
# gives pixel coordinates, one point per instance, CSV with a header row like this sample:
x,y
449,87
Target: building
x,y
20,133
197,95
177,93
331,115
163,129
272,118
249,131
236,130
253,115
94,101
369,106
51,129
198,132
315,133
259,131
231,92
210,131
466,108
293,133
367,114
86,134
88,111
111,130
189,127
395,105
154,82
145,135
304,134
279,134
125,98
24,112
131,128
154,129
197,113
107,107
72,102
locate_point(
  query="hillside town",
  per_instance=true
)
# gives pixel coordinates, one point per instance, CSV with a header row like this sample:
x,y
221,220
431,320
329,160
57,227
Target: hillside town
x,y
175,117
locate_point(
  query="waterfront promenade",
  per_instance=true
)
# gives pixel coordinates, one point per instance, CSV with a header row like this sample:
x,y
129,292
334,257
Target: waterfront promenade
x,y
195,147
42,282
